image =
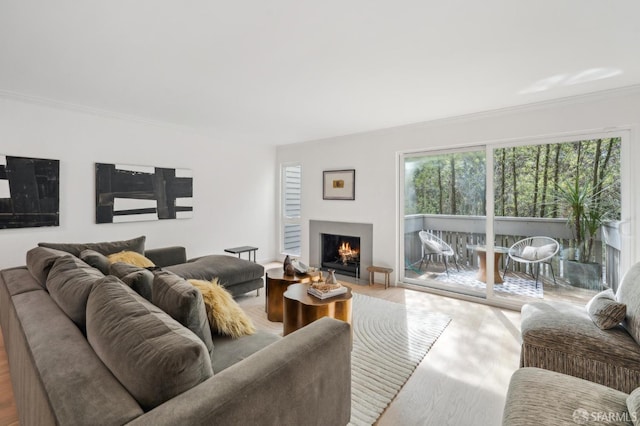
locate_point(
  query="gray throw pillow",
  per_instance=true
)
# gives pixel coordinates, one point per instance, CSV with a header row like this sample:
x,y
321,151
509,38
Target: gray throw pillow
x,y
106,247
604,311
69,283
183,302
39,262
95,259
153,356
139,279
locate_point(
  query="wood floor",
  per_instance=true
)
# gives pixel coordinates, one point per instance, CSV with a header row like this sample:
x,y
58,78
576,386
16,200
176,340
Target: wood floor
x,y
462,380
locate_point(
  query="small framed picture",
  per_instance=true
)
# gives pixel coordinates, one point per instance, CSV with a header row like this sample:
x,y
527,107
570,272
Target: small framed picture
x,y
339,185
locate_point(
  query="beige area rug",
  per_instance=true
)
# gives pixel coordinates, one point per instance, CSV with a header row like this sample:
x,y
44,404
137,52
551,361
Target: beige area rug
x,y
389,342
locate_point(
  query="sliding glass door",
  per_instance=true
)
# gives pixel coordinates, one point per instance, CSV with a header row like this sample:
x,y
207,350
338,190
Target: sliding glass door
x,y
553,208
445,219
554,204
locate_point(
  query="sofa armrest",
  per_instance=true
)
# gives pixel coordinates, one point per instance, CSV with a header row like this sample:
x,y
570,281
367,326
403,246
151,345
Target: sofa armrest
x,y
302,379
167,256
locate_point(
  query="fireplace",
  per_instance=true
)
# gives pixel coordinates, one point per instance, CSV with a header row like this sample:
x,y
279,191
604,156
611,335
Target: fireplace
x,y
342,253
359,235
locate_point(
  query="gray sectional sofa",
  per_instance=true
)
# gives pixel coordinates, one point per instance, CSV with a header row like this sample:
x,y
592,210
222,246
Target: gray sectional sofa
x,y
238,276
85,348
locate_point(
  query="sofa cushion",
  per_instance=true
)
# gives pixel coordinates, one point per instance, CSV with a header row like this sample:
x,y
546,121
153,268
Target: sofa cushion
x,y
151,354
605,311
629,294
183,303
231,350
106,247
566,328
166,256
132,258
95,259
228,269
542,397
633,406
39,262
19,280
69,283
139,279
225,316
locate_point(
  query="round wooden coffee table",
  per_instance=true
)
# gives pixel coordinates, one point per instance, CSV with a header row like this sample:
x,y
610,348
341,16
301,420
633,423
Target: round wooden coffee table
x,y
276,284
300,308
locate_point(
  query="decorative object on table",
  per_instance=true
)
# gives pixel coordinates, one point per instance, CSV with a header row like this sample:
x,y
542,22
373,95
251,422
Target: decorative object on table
x,y
29,192
331,278
300,267
326,290
287,267
126,193
289,270
339,184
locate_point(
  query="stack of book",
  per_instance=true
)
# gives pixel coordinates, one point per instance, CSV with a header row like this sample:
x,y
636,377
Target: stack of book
x,y
324,291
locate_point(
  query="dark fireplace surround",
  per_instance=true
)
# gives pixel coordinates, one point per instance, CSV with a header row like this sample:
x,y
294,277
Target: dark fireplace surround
x,y
341,253
362,231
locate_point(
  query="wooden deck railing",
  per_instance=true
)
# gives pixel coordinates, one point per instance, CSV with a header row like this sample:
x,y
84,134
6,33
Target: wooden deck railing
x,y
463,231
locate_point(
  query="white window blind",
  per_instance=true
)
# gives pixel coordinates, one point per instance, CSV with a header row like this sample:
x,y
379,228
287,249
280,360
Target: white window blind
x,y
291,208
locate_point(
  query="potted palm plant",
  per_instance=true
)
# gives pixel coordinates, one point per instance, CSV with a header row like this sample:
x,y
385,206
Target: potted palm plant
x,y
585,217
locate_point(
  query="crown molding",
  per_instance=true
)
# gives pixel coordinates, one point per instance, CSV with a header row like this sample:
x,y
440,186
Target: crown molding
x,y
105,113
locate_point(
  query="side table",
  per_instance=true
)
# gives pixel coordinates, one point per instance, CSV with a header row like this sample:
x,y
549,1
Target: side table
x,y
276,284
481,250
300,308
243,249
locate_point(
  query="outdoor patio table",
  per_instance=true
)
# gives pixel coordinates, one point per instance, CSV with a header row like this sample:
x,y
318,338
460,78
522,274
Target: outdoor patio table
x,y
481,250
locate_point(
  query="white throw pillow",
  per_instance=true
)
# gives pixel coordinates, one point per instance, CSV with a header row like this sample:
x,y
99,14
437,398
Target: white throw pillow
x,y
529,253
545,251
432,247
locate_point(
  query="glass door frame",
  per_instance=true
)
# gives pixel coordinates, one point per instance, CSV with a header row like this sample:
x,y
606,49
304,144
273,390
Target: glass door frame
x,y
435,285
628,201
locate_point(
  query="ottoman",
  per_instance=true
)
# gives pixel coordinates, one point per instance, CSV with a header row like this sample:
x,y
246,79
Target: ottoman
x,y
238,276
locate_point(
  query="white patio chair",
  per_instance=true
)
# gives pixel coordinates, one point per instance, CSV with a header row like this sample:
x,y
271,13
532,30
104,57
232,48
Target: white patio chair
x,y
533,251
434,246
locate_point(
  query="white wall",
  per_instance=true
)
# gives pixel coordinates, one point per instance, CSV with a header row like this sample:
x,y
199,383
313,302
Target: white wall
x,y
374,155
233,199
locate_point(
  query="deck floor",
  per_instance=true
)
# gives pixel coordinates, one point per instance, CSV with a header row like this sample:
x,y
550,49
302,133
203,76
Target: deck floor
x,y
516,285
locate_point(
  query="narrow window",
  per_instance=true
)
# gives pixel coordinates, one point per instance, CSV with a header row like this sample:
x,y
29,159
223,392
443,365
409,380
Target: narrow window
x,y
291,227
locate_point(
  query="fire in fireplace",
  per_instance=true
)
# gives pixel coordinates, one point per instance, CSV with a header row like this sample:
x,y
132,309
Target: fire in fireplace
x,y
342,253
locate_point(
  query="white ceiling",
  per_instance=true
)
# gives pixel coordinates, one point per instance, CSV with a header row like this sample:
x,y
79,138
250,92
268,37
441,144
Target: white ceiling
x,y
284,71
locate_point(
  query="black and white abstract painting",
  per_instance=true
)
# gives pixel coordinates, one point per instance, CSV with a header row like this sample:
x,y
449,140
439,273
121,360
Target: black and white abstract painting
x,y
29,192
126,193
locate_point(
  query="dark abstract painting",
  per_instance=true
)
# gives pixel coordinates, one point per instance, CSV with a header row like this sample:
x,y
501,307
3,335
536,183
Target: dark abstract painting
x,y
127,193
29,192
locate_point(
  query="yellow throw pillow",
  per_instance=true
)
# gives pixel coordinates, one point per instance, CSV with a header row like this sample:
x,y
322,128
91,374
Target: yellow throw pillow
x,y
132,258
225,315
